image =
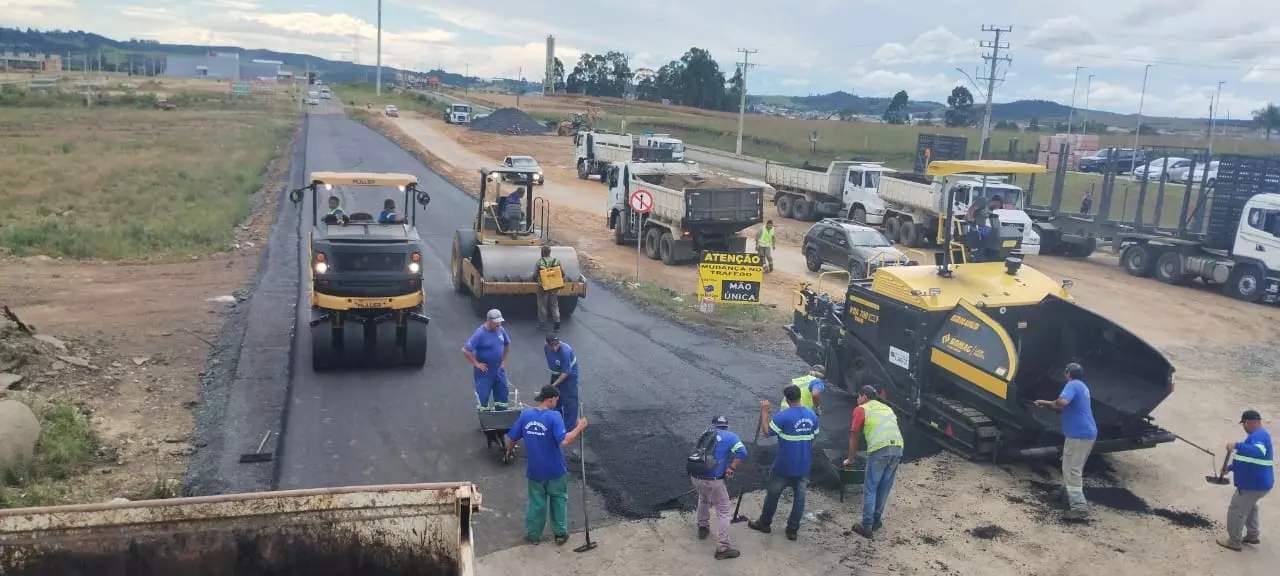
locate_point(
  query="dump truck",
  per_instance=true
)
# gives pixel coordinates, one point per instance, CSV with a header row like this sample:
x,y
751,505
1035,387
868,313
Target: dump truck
x,y
846,189
912,204
457,114
409,529
690,212
367,301
963,349
1239,249
497,257
594,151
664,141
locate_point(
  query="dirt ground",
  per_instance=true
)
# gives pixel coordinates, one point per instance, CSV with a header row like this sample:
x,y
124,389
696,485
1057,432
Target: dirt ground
x,y
1154,514
145,329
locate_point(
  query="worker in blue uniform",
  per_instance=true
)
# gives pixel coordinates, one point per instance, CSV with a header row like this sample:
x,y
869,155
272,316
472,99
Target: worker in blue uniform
x,y
563,364
1253,465
487,351
388,214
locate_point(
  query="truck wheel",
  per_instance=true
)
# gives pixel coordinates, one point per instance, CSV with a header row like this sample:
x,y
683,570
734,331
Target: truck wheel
x,y
667,249
582,170
1082,250
1245,284
891,228
652,238
811,260
859,215
1169,269
1137,260
910,232
620,229
800,209
784,206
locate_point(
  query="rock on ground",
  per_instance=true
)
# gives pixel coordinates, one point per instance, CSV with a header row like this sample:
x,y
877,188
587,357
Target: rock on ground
x,y
19,433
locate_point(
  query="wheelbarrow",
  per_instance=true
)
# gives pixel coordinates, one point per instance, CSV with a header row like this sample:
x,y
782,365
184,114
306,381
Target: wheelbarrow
x,y
496,423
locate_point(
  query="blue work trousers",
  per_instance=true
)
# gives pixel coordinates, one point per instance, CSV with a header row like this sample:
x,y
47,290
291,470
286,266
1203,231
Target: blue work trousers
x,y
778,483
568,403
882,469
493,382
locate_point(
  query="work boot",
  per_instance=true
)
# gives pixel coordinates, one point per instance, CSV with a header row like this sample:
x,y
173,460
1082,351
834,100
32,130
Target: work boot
x,y
560,540
703,532
793,536
1251,540
1075,514
727,554
1229,545
557,328
877,526
759,527
863,532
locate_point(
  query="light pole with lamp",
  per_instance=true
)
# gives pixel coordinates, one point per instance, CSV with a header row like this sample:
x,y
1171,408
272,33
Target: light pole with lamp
x,y
1137,133
1088,85
1074,83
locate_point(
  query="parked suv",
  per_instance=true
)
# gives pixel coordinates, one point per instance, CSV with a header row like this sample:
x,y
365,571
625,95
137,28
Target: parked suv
x,y
1124,160
848,245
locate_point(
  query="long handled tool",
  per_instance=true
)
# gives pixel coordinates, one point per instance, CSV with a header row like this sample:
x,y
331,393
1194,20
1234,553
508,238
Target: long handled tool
x,y
582,447
736,517
1221,478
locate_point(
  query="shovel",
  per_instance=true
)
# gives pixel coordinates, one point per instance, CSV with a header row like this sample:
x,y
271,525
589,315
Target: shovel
x,y
1221,478
737,518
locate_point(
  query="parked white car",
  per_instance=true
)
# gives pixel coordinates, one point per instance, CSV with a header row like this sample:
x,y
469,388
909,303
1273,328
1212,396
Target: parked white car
x,y
1198,175
1156,169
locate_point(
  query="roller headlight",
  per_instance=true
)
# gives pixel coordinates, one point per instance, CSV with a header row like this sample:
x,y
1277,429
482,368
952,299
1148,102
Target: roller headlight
x,y
415,263
414,268
321,267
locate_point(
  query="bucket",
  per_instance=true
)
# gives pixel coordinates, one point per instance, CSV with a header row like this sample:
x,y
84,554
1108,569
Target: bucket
x,y
708,305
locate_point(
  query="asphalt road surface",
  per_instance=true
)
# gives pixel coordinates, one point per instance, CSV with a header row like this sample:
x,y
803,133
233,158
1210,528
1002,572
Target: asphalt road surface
x,y
740,165
649,387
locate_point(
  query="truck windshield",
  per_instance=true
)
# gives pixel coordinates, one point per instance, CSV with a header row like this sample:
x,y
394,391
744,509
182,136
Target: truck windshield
x,y
873,180
461,108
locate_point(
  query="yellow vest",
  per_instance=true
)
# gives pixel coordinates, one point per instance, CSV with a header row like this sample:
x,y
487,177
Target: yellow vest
x,y
806,395
766,238
880,426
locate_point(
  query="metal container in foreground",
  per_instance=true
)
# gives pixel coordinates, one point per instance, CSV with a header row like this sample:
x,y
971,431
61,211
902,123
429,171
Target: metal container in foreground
x,y
406,529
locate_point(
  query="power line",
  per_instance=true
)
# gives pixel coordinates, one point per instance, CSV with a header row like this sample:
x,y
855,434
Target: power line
x,y
742,104
994,58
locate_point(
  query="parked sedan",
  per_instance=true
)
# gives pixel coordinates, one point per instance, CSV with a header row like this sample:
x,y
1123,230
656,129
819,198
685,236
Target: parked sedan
x,y
1176,169
1124,160
848,245
525,163
392,111
1197,175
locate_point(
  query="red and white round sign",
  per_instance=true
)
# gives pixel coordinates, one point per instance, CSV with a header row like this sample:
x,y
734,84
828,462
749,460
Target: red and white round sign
x,y
641,201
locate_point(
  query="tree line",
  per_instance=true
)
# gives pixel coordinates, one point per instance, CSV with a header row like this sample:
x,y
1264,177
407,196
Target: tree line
x,y
694,80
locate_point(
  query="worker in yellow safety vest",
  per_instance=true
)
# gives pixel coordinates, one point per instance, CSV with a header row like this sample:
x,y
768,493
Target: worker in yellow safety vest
x,y
811,388
764,245
876,421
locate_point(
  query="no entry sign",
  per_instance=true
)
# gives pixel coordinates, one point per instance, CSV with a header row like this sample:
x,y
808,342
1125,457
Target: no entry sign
x,y
641,201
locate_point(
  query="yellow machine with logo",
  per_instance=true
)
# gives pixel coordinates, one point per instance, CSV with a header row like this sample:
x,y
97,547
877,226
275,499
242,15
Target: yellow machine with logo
x,y
367,300
498,257
965,348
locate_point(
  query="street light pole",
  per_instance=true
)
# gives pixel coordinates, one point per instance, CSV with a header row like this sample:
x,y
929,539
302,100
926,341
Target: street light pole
x,y
1074,83
1137,133
1088,84
378,76
1213,114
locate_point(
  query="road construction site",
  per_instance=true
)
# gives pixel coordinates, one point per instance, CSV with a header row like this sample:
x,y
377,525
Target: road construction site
x,y
651,384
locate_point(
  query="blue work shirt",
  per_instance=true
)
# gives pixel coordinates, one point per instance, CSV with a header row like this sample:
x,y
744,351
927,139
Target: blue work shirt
x,y
817,385
1253,464
542,431
796,428
1077,415
563,361
727,443
387,217
488,346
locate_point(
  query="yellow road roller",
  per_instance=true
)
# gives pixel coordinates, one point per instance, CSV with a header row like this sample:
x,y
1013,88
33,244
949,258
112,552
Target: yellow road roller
x,y
365,273
497,258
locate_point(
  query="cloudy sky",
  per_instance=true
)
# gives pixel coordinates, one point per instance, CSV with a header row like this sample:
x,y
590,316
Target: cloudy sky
x,y
871,47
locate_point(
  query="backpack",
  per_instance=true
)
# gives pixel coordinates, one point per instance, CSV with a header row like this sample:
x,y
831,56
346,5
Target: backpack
x,y
702,462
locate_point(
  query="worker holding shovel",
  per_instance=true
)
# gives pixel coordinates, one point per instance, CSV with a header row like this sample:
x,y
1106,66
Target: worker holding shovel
x,y
542,430
714,460
1254,467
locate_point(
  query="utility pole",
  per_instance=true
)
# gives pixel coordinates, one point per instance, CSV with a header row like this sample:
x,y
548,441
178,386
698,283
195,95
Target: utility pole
x,y
466,81
378,76
1088,84
742,101
519,85
1213,109
993,76
1137,132
1071,115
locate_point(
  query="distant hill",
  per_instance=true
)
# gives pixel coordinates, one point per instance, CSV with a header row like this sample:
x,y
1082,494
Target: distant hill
x,y
840,100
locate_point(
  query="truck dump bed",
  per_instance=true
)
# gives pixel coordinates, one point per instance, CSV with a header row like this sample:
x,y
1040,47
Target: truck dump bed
x,y
909,191
411,530
694,200
829,182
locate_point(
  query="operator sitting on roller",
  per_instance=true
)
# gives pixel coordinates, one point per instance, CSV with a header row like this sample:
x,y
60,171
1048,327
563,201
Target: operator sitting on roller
x,y
563,364
388,214
487,351
548,298
335,213
505,203
811,388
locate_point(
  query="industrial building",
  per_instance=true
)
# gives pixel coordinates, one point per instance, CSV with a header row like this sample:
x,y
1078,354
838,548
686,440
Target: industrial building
x,y
222,66
11,61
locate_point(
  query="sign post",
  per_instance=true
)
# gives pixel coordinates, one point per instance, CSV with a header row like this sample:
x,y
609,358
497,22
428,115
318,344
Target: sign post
x,y
641,202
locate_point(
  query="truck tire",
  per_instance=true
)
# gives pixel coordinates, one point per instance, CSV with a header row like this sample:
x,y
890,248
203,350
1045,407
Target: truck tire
x,y
891,228
652,237
812,261
620,225
667,249
858,214
800,209
1169,269
1083,250
784,205
910,232
582,170
1138,260
1245,283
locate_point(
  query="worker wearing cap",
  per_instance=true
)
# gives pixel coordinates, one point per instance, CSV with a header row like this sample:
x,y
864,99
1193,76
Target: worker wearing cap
x,y
388,214
542,430
764,245
1253,464
796,427
487,351
729,453
1080,431
563,364
875,421
811,388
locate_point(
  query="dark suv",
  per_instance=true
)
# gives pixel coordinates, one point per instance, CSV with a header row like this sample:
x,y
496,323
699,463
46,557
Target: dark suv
x,y
848,245
1124,158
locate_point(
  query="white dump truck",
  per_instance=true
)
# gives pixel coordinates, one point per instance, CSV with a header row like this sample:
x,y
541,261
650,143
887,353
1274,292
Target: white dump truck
x,y
595,151
662,141
411,529
689,212
846,189
457,114
912,204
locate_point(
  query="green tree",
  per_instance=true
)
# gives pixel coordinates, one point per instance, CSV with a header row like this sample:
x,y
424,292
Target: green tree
x,y
733,91
1034,125
847,114
896,113
557,76
959,107
1267,118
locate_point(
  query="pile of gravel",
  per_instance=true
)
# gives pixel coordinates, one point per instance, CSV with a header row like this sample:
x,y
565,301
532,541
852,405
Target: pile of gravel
x,y
502,120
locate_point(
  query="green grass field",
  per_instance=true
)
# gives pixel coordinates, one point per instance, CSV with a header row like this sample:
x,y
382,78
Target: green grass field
x,y
362,95
127,181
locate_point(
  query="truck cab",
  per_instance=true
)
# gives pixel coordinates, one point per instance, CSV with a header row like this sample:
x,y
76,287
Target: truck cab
x,y
458,114
861,198
1256,249
665,142
1012,213
325,93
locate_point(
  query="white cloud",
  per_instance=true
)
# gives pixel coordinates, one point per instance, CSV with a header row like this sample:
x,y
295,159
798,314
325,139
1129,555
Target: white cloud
x,y
1057,33
795,82
1267,71
937,45
338,25
886,82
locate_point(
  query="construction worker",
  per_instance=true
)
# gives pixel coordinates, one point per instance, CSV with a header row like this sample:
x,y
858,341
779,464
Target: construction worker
x,y
764,245
487,351
1253,464
563,364
545,438
388,214
335,213
796,428
730,452
811,388
875,421
548,300
1081,432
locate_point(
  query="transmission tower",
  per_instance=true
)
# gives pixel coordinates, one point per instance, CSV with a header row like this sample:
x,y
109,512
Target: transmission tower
x,y
993,75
